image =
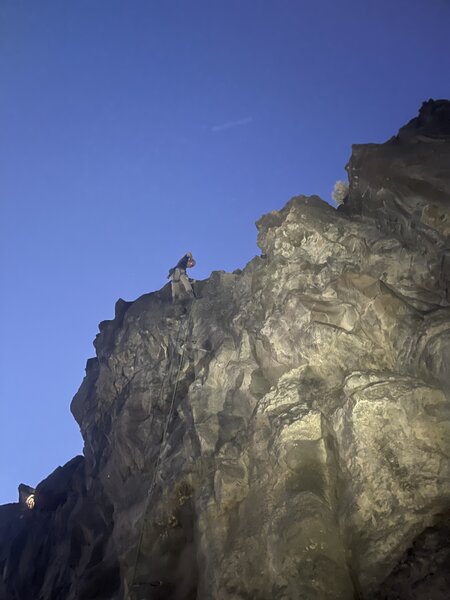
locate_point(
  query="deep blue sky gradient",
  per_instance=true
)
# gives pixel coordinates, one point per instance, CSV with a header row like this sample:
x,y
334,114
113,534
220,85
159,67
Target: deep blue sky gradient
x,y
132,131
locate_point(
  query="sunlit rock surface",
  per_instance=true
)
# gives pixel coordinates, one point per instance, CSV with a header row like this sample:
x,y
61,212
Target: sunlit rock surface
x,y
284,436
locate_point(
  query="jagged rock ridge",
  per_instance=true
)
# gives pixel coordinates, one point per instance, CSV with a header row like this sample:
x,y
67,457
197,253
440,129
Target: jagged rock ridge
x,y
284,436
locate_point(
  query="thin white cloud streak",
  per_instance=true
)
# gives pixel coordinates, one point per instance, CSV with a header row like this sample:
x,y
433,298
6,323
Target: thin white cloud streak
x,y
231,124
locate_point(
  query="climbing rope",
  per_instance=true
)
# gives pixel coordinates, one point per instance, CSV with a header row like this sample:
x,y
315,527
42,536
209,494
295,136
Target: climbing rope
x,y
166,427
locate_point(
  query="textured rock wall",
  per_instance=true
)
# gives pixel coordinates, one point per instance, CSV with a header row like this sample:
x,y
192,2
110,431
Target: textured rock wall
x,y
287,434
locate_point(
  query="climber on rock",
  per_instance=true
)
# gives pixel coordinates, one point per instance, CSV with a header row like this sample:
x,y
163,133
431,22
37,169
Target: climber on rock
x,y
179,277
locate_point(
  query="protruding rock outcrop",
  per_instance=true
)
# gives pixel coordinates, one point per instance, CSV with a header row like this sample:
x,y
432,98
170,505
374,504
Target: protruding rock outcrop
x,y
288,434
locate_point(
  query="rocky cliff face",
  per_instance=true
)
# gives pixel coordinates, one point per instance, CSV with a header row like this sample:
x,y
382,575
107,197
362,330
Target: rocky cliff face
x,y
287,434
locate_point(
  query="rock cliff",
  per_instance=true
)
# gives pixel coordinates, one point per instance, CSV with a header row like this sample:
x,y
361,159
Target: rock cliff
x,y
285,435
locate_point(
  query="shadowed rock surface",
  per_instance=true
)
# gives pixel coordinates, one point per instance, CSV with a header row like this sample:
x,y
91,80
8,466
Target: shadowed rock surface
x,y
287,434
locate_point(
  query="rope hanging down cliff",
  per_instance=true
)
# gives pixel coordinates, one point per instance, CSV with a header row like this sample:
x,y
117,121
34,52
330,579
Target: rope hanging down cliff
x,y
168,376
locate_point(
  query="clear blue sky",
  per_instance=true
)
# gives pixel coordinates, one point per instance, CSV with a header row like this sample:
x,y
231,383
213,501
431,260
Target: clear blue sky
x,y
132,131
